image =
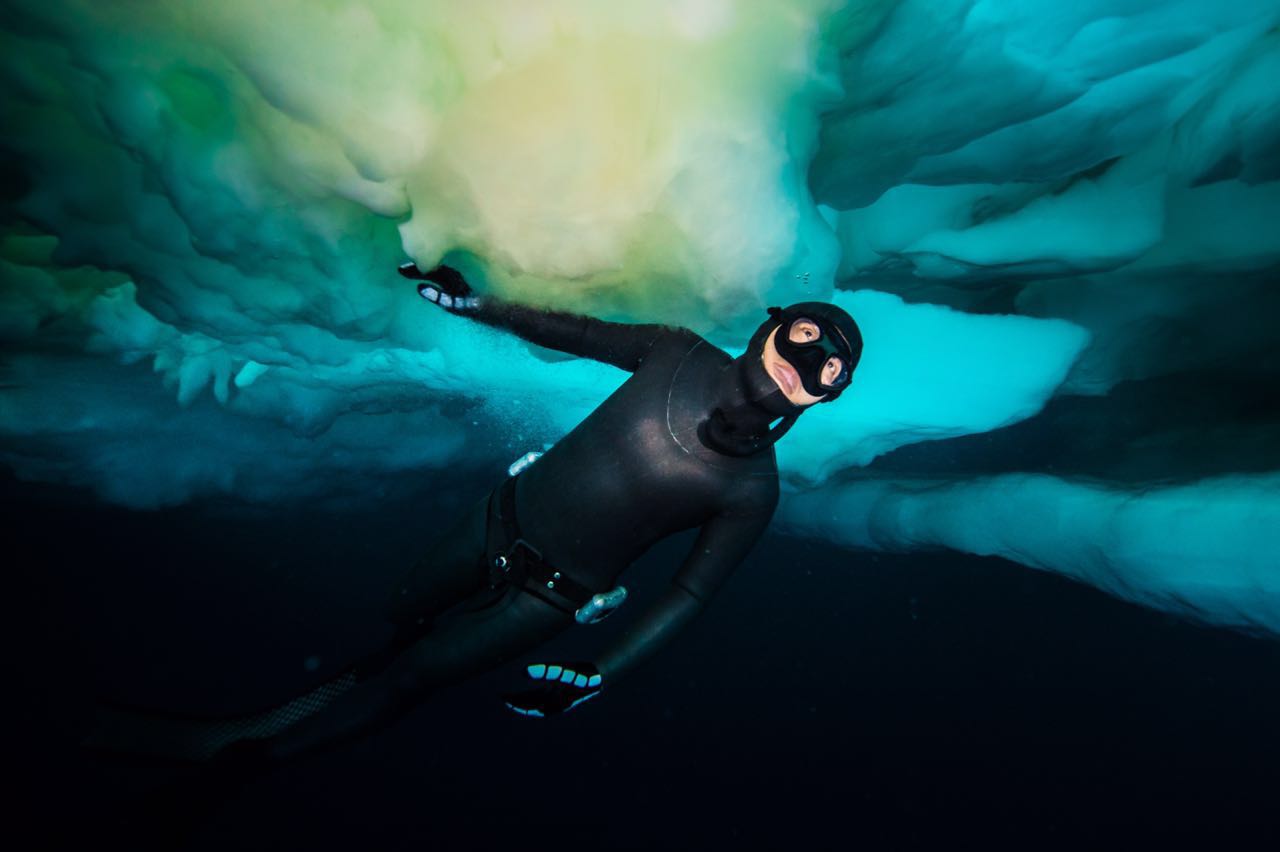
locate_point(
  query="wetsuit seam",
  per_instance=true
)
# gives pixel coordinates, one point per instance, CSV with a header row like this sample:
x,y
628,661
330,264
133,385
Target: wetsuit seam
x,y
672,432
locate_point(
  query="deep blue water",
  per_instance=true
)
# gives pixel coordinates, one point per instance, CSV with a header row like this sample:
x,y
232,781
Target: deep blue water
x,y
827,700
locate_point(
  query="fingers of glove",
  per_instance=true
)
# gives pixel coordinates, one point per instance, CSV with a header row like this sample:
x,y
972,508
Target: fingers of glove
x,y
551,699
525,711
580,675
432,293
592,694
534,702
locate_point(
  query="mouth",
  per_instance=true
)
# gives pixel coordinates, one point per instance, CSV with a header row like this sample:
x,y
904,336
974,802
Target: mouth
x,y
786,377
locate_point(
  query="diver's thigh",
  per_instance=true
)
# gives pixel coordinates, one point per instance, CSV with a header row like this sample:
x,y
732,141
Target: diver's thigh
x,y
452,569
478,641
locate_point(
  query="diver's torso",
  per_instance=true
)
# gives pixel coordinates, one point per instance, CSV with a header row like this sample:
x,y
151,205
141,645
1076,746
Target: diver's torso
x,y
634,471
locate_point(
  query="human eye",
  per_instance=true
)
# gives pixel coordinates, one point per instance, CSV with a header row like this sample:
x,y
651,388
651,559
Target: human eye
x,y
804,331
831,370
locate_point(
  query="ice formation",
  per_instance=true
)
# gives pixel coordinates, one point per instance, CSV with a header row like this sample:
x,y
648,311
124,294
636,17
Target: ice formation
x,y
1198,549
1040,213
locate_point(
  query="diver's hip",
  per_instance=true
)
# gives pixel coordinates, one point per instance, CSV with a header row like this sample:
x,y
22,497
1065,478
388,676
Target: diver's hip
x,y
516,559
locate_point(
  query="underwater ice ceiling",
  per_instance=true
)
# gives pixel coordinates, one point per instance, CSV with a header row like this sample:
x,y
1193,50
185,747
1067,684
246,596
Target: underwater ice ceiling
x,y
1056,223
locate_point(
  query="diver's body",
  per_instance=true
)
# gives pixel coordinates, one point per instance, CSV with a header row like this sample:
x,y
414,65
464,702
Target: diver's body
x,y
634,471
686,441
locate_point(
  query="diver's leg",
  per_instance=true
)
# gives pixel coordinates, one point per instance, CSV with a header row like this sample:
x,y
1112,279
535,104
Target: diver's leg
x,y
452,570
470,644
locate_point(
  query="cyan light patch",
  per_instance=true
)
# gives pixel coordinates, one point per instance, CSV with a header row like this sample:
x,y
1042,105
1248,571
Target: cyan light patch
x,y
928,373
1204,550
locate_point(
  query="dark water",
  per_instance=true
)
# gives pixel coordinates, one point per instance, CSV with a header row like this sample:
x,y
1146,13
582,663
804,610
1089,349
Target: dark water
x,y
827,699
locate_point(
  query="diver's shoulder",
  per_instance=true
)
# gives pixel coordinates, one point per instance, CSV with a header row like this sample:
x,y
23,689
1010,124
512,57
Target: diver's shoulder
x,y
756,492
682,336
686,340
673,340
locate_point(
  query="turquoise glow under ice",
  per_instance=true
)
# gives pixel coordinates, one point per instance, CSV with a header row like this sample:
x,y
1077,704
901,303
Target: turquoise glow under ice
x,y
1017,200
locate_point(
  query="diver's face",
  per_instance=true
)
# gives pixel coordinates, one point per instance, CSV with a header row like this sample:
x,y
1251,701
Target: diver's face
x,y
785,375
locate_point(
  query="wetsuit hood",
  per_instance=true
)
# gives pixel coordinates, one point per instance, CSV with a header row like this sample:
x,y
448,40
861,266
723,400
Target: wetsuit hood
x,y
839,337
751,412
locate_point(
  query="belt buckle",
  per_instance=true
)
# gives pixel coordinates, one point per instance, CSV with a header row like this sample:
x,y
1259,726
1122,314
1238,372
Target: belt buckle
x,y
537,554
505,557
500,567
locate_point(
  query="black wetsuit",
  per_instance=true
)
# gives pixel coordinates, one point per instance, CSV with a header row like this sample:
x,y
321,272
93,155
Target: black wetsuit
x,y
633,472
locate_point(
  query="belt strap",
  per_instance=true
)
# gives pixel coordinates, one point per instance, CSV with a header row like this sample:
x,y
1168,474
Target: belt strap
x,y
521,563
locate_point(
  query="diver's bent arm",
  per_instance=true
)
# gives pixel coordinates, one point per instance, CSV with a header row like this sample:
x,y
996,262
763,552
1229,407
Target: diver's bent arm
x,y
722,543
664,619
623,345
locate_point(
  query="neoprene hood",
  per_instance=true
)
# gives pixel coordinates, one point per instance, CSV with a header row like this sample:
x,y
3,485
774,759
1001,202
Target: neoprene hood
x,y
751,400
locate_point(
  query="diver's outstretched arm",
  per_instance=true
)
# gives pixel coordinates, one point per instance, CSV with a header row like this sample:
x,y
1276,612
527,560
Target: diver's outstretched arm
x,y
623,345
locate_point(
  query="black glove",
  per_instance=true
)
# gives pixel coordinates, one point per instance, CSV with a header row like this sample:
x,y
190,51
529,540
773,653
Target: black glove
x,y
443,285
561,687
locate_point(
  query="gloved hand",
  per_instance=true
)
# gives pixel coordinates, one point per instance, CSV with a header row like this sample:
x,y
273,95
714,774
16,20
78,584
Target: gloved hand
x,y
561,687
443,285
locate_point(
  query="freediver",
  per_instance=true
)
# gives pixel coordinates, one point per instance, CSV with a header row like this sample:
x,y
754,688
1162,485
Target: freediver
x,y
686,441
